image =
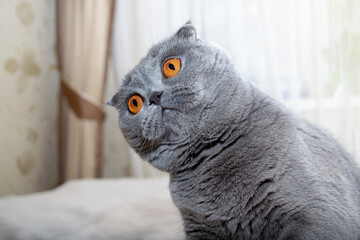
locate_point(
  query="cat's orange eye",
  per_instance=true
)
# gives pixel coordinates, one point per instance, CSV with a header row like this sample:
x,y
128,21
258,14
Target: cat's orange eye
x,y
135,104
171,67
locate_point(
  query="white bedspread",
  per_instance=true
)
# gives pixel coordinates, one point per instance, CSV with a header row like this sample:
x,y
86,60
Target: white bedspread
x,y
93,209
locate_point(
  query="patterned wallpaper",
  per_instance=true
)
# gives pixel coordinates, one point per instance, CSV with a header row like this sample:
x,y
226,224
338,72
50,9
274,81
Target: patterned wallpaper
x,y
28,96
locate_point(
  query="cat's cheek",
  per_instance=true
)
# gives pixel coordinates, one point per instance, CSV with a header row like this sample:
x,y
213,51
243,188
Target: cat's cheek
x,y
168,115
174,122
130,126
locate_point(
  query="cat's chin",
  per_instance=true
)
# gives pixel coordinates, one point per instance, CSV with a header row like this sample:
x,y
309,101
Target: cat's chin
x,y
159,162
167,156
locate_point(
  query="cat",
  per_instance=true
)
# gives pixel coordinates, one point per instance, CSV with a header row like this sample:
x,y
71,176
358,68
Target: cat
x,y
241,165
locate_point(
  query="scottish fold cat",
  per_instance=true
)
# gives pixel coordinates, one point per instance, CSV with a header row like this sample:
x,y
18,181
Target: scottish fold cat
x,y
241,165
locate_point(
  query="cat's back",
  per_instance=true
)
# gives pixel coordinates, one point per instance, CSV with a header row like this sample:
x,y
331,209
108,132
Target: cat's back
x,y
327,158
332,167
327,185
307,149
314,178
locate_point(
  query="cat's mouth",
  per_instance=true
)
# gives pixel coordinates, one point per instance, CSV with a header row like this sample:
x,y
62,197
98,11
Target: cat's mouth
x,y
166,110
152,125
167,106
158,120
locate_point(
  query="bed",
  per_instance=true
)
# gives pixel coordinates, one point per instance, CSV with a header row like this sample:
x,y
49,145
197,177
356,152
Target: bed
x,y
99,209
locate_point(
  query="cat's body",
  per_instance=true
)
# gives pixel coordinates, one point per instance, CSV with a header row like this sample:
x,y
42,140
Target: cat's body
x,y
242,166
253,184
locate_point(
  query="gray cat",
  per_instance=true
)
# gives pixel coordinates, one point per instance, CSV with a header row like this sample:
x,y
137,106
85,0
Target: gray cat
x,y
242,165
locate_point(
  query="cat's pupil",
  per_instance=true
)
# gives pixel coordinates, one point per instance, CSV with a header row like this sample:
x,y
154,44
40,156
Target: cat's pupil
x,y
135,103
171,66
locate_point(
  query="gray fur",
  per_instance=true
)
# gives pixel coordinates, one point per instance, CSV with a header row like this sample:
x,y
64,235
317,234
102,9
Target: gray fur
x,y
242,165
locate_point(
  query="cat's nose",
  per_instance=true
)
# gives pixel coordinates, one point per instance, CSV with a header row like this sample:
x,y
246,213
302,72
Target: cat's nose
x,y
155,98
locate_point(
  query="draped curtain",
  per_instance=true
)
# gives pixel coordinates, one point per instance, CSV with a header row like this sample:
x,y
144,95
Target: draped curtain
x,y
84,28
306,53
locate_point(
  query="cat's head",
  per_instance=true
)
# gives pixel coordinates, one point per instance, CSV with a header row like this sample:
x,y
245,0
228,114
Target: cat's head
x,y
180,93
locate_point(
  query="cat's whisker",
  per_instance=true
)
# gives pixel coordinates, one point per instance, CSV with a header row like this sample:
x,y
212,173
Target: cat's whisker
x,y
142,138
151,146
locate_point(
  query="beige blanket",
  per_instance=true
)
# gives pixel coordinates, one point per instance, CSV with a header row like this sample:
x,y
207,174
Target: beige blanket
x,y
93,209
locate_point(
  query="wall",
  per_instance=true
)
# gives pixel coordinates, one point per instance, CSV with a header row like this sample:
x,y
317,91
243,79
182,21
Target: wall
x,y
28,96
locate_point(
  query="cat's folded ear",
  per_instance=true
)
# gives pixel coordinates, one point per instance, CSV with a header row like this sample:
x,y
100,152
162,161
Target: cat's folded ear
x,y
187,32
113,101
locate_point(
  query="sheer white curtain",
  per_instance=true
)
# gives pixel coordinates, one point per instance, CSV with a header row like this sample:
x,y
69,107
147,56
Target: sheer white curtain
x,y
306,53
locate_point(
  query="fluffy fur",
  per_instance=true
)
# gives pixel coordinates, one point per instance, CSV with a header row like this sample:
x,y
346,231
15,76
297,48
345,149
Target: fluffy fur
x,y
242,165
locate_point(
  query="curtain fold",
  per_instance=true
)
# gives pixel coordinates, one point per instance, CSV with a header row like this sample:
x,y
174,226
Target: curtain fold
x,y
84,33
